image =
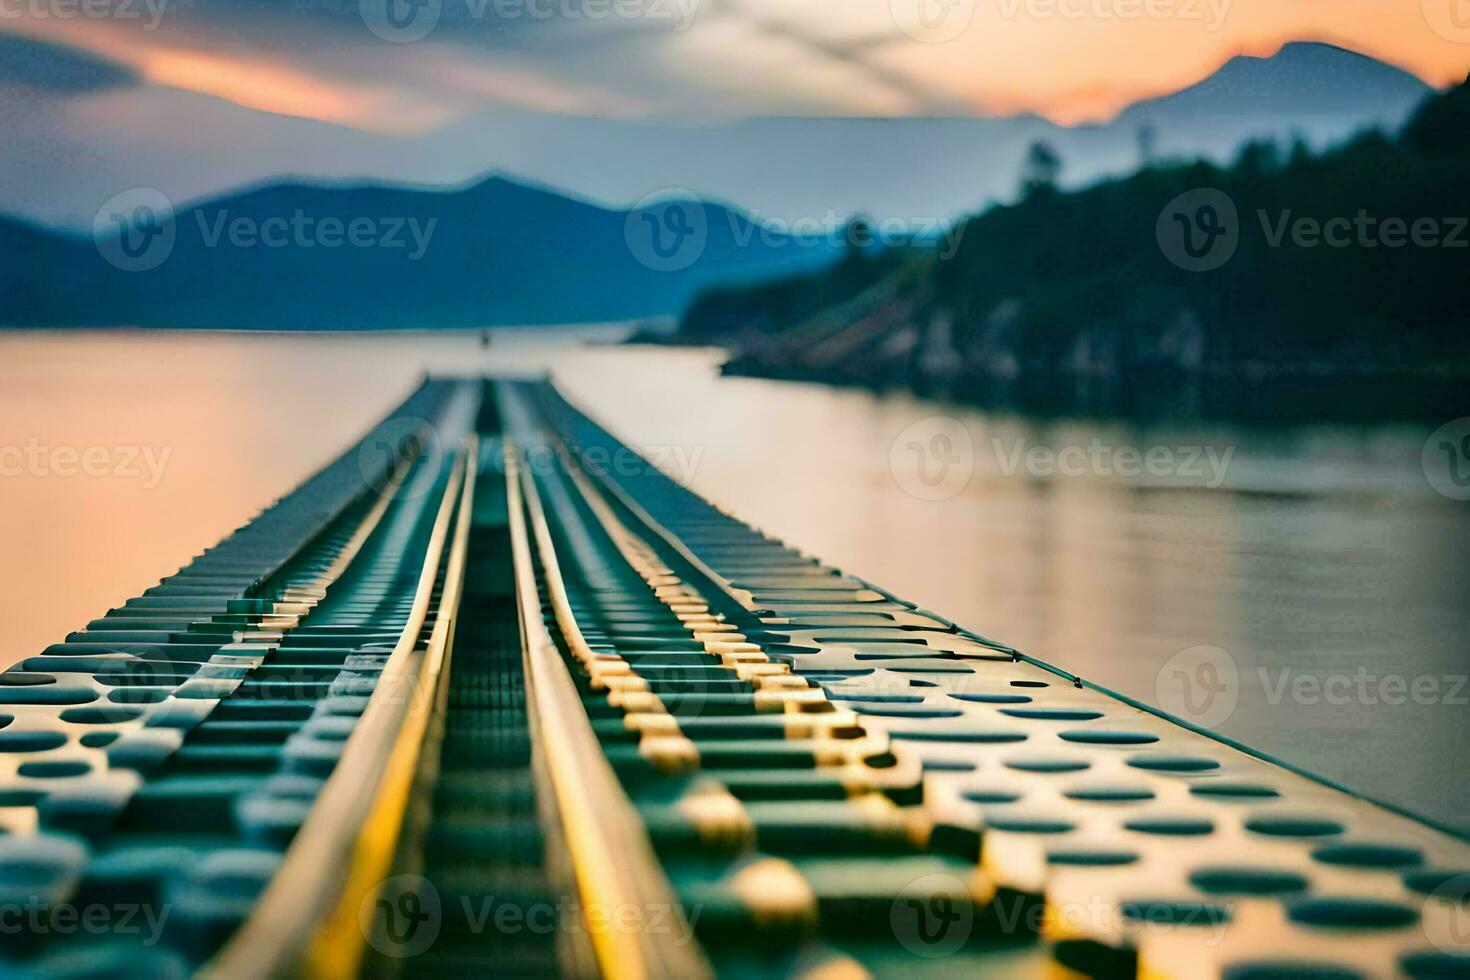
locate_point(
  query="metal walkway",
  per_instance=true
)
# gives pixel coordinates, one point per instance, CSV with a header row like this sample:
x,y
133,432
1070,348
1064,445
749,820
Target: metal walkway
x,y
492,696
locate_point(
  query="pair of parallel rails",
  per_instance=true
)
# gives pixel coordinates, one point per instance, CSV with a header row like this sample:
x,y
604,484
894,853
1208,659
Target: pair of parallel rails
x,y
472,701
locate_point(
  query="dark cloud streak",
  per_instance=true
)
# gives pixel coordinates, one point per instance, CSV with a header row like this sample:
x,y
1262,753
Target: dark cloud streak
x,y
853,53
58,69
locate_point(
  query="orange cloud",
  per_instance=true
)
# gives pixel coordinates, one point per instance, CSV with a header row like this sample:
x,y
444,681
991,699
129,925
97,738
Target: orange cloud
x,y
252,81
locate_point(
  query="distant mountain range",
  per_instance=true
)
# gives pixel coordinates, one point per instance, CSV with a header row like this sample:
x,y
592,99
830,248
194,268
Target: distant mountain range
x,y
58,170
1314,86
303,257
501,251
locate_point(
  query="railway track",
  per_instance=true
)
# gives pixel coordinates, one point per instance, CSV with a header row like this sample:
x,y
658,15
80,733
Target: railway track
x,y
491,695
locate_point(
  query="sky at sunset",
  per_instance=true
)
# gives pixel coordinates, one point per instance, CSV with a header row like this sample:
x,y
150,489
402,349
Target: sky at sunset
x,y
617,100
691,61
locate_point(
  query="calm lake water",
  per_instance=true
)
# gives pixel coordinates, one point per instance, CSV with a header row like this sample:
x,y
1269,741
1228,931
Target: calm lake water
x,y
1300,589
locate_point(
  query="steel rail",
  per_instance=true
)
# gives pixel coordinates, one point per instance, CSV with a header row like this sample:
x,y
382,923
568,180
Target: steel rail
x,y
306,921
612,859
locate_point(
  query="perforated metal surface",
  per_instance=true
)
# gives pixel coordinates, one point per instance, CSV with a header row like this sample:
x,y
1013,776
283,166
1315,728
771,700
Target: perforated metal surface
x,y
823,778
1149,846
153,765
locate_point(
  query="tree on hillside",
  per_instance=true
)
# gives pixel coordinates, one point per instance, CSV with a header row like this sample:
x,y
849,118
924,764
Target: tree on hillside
x,y
1441,128
1042,168
1148,145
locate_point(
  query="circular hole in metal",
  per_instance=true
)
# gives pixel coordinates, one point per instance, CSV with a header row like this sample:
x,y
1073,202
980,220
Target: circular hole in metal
x,y
1351,912
1048,763
1293,825
1173,763
1110,794
54,770
1171,826
1366,855
1090,736
1247,881
1092,859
